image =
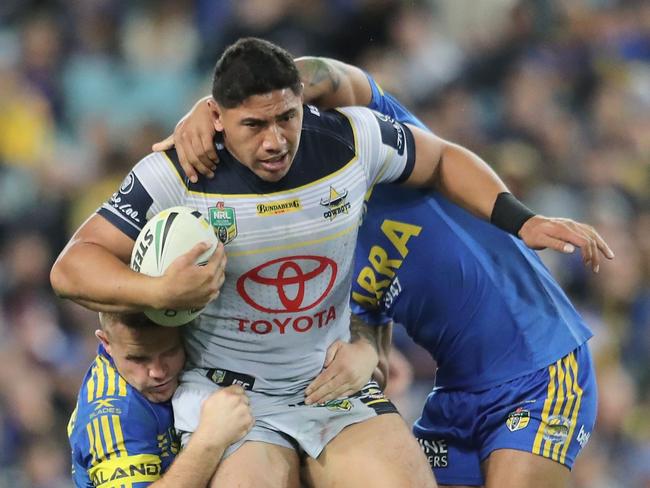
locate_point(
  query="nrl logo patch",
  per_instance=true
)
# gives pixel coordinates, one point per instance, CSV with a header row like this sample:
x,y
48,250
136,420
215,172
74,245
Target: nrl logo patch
x,y
518,419
224,222
336,204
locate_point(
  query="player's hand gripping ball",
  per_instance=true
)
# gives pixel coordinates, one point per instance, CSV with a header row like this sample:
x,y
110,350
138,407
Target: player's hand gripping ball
x,y
166,236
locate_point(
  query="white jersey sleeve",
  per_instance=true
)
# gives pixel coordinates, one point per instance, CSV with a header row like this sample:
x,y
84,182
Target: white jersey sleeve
x,y
153,185
385,147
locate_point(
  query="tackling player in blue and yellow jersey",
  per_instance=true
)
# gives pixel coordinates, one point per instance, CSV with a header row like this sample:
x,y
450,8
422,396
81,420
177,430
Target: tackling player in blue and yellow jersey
x,y
121,431
515,396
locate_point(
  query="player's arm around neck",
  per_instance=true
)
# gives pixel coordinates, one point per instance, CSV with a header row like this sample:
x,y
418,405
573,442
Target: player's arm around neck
x,y
329,83
456,172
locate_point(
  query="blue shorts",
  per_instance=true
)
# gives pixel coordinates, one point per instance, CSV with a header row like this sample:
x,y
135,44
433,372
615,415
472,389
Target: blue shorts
x,y
550,413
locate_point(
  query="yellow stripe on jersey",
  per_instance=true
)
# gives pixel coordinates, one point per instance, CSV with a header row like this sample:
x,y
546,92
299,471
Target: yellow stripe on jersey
x,y
355,136
104,380
295,244
121,386
107,436
73,419
114,380
565,394
96,448
256,195
120,446
537,444
124,471
559,401
110,377
91,442
578,399
382,170
384,164
104,443
381,400
569,402
90,385
101,377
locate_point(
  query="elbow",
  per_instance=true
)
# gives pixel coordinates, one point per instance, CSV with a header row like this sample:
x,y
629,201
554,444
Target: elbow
x,y
60,279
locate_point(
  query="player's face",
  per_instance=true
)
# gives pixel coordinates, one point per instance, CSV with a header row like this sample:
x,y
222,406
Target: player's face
x,y
149,359
263,132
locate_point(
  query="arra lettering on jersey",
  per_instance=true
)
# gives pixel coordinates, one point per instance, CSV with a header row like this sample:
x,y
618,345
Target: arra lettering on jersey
x,y
377,281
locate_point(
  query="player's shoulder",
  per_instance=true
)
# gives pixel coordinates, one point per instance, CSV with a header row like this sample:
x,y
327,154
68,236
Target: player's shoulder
x,y
162,166
153,170
330,125
342,129
360,115
157,160
105,392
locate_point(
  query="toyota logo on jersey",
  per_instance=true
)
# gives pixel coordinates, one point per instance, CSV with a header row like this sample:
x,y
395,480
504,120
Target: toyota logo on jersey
x,y
291,284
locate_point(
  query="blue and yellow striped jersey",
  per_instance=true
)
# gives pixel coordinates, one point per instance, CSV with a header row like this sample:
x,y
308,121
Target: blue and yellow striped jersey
x,y
481,302
118,437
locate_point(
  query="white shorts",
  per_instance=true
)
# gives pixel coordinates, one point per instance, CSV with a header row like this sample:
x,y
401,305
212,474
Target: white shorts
x,y
282,420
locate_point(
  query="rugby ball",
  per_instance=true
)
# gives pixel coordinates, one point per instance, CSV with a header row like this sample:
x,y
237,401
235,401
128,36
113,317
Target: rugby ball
x,y
166,236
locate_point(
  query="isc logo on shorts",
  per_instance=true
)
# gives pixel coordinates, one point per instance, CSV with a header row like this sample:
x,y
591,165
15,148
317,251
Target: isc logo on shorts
x,y
436,452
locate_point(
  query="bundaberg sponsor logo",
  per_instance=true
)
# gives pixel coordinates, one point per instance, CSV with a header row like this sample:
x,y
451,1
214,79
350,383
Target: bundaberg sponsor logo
x,y
278,207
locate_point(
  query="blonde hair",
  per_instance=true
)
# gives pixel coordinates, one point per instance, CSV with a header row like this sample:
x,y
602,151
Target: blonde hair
x,y
137,320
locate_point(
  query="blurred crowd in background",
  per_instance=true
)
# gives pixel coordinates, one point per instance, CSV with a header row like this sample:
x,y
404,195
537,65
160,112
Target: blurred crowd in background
x,y
555,94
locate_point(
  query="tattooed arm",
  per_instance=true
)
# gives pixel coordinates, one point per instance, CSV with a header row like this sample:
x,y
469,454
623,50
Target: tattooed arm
x,y
380,337
330,83
350,365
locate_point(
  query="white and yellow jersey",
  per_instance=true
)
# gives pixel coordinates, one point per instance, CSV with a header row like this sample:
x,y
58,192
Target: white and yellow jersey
x,y
290,244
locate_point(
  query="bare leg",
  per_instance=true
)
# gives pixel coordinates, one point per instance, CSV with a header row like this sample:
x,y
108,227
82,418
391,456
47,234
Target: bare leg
x,y
380,452
509,468
259,465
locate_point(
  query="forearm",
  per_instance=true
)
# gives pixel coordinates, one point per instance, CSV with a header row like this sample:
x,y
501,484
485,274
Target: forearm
x,y
468,180
361,331
91,276
194,467
384,342
379,337
456,172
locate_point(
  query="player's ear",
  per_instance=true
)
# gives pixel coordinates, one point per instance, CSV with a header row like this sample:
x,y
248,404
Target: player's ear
x,y
215,111
103,338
